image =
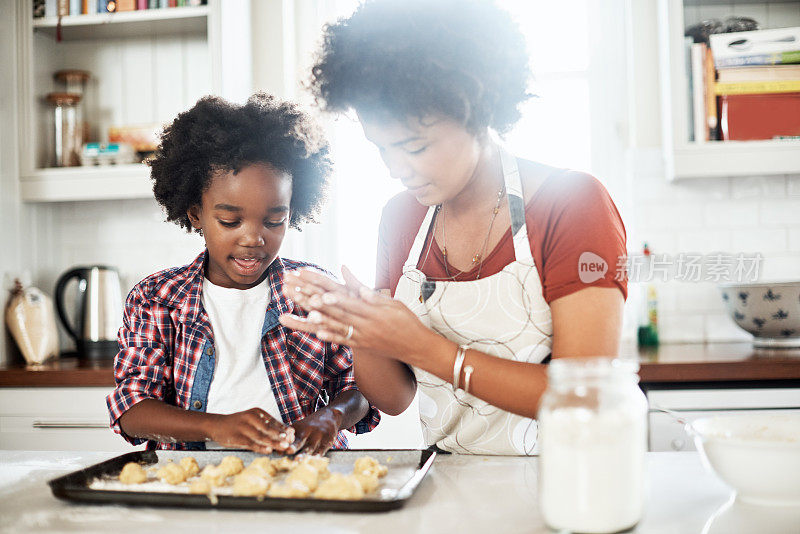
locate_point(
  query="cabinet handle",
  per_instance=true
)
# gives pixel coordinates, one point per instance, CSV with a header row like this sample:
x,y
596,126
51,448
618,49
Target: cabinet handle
x,y
67,424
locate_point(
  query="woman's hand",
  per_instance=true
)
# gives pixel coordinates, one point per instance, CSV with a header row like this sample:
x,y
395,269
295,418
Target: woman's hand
x,y
253,429
316,433
370,321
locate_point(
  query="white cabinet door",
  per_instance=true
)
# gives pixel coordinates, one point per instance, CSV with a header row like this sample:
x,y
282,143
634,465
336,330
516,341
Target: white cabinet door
x,y
64,419
666,434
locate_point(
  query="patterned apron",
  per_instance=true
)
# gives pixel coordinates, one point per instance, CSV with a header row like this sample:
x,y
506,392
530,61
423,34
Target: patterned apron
x,y
504,315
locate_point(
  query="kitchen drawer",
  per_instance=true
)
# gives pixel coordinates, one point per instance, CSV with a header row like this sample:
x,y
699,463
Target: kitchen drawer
x,y
57,419
78,402
666,434
48,433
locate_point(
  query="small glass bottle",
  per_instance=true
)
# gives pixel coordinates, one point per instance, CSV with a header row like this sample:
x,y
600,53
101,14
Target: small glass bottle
x,y
68,134
592,445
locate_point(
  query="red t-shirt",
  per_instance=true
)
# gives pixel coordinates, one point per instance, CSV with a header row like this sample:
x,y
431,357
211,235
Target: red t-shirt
x,y
570,214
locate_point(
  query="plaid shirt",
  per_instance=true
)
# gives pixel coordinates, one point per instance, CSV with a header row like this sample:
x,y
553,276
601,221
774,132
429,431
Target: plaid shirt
x,y
167,352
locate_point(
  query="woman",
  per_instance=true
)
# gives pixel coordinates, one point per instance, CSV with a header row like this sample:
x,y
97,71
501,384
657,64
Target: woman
x,y
482,253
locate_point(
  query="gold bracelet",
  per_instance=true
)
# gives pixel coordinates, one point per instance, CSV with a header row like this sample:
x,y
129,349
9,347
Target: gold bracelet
x,y
460,355
467,375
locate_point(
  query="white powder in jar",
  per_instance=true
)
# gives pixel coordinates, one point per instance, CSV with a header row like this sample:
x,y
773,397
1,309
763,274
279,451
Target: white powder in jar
x,y
591,469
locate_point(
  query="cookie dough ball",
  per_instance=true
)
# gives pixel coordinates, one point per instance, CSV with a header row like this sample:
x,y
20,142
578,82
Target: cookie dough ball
x,y
232,465
304,474
340,487
369,481
250,484
132,473
172,473
189,465
290,490
200,486
214,475
283,464
369,465
263,464
319,463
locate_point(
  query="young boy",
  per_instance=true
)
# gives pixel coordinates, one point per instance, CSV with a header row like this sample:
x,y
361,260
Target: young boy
x,y
202,355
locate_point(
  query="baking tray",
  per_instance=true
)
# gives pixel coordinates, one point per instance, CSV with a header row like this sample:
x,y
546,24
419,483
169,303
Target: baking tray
x,y
407,468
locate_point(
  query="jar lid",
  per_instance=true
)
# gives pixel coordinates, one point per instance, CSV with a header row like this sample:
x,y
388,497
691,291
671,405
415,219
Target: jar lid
x,y
591,367
68,75
58,99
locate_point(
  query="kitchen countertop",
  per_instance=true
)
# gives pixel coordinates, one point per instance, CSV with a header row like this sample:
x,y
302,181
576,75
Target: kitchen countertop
x,y
462,494
673,363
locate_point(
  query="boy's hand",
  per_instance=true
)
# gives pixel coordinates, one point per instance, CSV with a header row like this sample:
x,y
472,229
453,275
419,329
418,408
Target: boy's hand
x,y
252,429
316,433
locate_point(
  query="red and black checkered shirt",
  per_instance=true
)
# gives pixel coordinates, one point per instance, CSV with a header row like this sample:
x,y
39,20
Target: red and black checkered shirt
x,y
165,331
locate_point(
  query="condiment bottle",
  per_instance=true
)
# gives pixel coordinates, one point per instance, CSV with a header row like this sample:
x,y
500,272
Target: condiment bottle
x,y
592,445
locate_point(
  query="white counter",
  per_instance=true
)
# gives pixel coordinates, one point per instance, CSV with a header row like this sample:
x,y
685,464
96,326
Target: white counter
x,y
462,494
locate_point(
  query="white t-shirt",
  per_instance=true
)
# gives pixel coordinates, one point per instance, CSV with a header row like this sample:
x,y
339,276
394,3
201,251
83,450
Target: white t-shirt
x,y
240,380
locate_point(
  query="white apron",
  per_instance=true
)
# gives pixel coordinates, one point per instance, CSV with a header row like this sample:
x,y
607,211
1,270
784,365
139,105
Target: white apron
x,y
504,315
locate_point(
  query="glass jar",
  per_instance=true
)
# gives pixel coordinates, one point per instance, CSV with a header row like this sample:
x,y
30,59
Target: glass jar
x,y
592,445
68,132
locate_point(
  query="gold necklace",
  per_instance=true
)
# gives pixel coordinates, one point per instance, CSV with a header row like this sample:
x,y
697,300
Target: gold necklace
x,y
478,256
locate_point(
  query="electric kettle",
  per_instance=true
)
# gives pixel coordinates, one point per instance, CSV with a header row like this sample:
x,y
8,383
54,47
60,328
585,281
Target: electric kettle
x,y
98,310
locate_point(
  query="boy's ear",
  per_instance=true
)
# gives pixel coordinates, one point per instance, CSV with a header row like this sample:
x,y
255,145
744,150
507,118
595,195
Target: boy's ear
x,y
194,217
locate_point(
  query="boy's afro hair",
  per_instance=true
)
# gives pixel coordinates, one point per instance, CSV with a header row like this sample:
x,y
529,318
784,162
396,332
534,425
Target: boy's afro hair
x,y
217,136
465,59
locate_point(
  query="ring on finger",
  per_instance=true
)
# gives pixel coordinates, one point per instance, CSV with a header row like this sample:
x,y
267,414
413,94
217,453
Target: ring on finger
x,y
349,332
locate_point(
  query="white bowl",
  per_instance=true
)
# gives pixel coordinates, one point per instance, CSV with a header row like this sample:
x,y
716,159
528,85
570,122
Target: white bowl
x,y
768,310
755,454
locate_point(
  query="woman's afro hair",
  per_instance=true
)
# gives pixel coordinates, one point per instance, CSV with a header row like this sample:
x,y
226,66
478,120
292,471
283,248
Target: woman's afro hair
x,y
465,59
216,136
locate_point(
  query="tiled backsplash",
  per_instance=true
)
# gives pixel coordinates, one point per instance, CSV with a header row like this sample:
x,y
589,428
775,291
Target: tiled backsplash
x,y
710,215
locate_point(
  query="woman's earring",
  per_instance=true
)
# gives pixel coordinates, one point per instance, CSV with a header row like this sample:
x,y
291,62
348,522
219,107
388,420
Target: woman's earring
x,y
200,231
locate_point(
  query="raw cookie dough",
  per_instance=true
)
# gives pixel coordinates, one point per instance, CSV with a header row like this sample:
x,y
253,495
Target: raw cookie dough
x,y
318,463
250,484
263,464
292,490
172,473
232,465
189,465
200,486
369,465
305,475
132,473
340,487
214,475
283,464
369,481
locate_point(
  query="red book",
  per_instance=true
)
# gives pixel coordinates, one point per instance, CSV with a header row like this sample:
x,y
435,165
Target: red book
x,y
141,4
760,116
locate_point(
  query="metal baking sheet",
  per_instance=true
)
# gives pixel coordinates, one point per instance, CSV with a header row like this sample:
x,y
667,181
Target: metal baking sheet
x,y
98,484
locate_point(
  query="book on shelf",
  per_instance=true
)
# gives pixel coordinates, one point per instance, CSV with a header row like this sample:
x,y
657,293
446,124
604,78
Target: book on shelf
x,y
758,47
749,88
141,4
75,7
762,73
126,5
782,58
747,117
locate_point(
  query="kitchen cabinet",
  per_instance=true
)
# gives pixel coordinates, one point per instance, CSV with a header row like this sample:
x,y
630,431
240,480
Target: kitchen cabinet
x,y
146,66
667,434
688,159
62,419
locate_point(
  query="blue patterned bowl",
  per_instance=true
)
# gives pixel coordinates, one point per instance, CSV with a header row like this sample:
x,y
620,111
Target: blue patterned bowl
x,y
768,310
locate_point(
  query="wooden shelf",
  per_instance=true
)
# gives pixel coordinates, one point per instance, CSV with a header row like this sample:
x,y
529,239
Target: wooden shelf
x,y
87,183
174,20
